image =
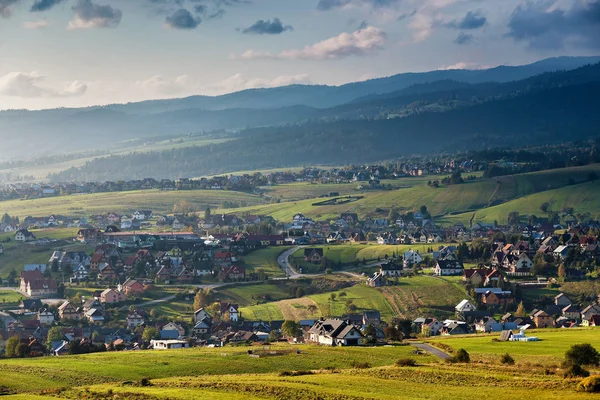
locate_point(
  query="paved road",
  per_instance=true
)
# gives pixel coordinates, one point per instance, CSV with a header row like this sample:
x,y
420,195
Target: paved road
x,y
163,300
284,263
432,350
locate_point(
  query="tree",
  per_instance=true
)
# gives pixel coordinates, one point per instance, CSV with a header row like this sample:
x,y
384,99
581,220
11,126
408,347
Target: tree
x,y
207,214
332,297
582,354
370,334
513,218
312,309
150,333
54,335
202,299
562,271
290,328
392,333
274,335
592,176
423,210
521,311
11,346
545,207
461,356
60,289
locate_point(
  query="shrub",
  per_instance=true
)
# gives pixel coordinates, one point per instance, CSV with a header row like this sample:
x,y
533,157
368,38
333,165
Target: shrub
x,y
576,371
295,373
145,382
461,356
507,359
360,365
406,362
590,384
582,354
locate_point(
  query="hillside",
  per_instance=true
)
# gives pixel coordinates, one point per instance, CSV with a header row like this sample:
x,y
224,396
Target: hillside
x,y
125,202
326,373
548,116
470,196
582,198
69,130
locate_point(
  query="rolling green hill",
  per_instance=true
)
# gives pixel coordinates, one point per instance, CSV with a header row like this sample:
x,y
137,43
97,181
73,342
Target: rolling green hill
x,y
454,199
583,198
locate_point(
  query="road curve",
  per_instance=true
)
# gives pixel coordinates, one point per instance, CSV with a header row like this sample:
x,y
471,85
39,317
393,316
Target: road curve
x,y
432,350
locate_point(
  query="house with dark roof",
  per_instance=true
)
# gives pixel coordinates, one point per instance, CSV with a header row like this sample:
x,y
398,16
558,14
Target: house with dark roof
x,y
448,267
313,255
334,332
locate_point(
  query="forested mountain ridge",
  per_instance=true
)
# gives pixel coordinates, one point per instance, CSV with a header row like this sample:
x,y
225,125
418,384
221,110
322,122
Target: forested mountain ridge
x,y
70,130
541,117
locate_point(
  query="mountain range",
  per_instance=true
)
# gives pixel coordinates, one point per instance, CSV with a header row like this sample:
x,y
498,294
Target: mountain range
x,y
103,127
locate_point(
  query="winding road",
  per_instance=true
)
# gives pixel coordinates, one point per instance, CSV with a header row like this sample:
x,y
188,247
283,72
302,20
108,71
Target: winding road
x,y
432,350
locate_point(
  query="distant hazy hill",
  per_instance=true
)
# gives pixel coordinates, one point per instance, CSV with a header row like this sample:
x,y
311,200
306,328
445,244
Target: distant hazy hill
x,y
68,130
548,116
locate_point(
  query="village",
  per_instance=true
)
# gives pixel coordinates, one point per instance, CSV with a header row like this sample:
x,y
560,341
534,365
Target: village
x,y
127,263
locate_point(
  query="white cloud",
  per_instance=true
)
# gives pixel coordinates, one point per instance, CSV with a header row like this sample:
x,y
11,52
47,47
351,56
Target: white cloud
x,y
22,84
40,24
358,43
184,85
161,85
464,65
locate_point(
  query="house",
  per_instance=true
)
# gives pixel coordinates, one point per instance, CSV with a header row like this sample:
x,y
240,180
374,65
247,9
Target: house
x,y
106,272
81,273
454,328
202,327
541,319
562,300
131,287
334,332
95,316
33,284
593,321
464,306
135,319
592,309
142,215
23,235
571,312
30,304
313,255
90,235
232,310
390,269
169,344
412,257
69,311
492,299
201,315
431,327
111,296
448,267
371,318
377,280
232,273
45,317
172,331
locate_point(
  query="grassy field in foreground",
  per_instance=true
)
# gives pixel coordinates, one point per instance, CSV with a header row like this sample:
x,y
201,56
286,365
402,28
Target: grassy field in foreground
x,y
53,372
124,202
549,350
410,298
221,377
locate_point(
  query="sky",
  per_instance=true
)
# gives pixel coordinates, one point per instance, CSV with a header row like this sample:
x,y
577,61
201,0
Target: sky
x,y
77,53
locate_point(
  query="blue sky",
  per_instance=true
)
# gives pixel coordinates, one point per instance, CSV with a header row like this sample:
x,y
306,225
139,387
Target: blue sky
x,y
73,53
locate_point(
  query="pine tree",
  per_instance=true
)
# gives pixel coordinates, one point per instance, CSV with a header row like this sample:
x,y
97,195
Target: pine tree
x,y
521,310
